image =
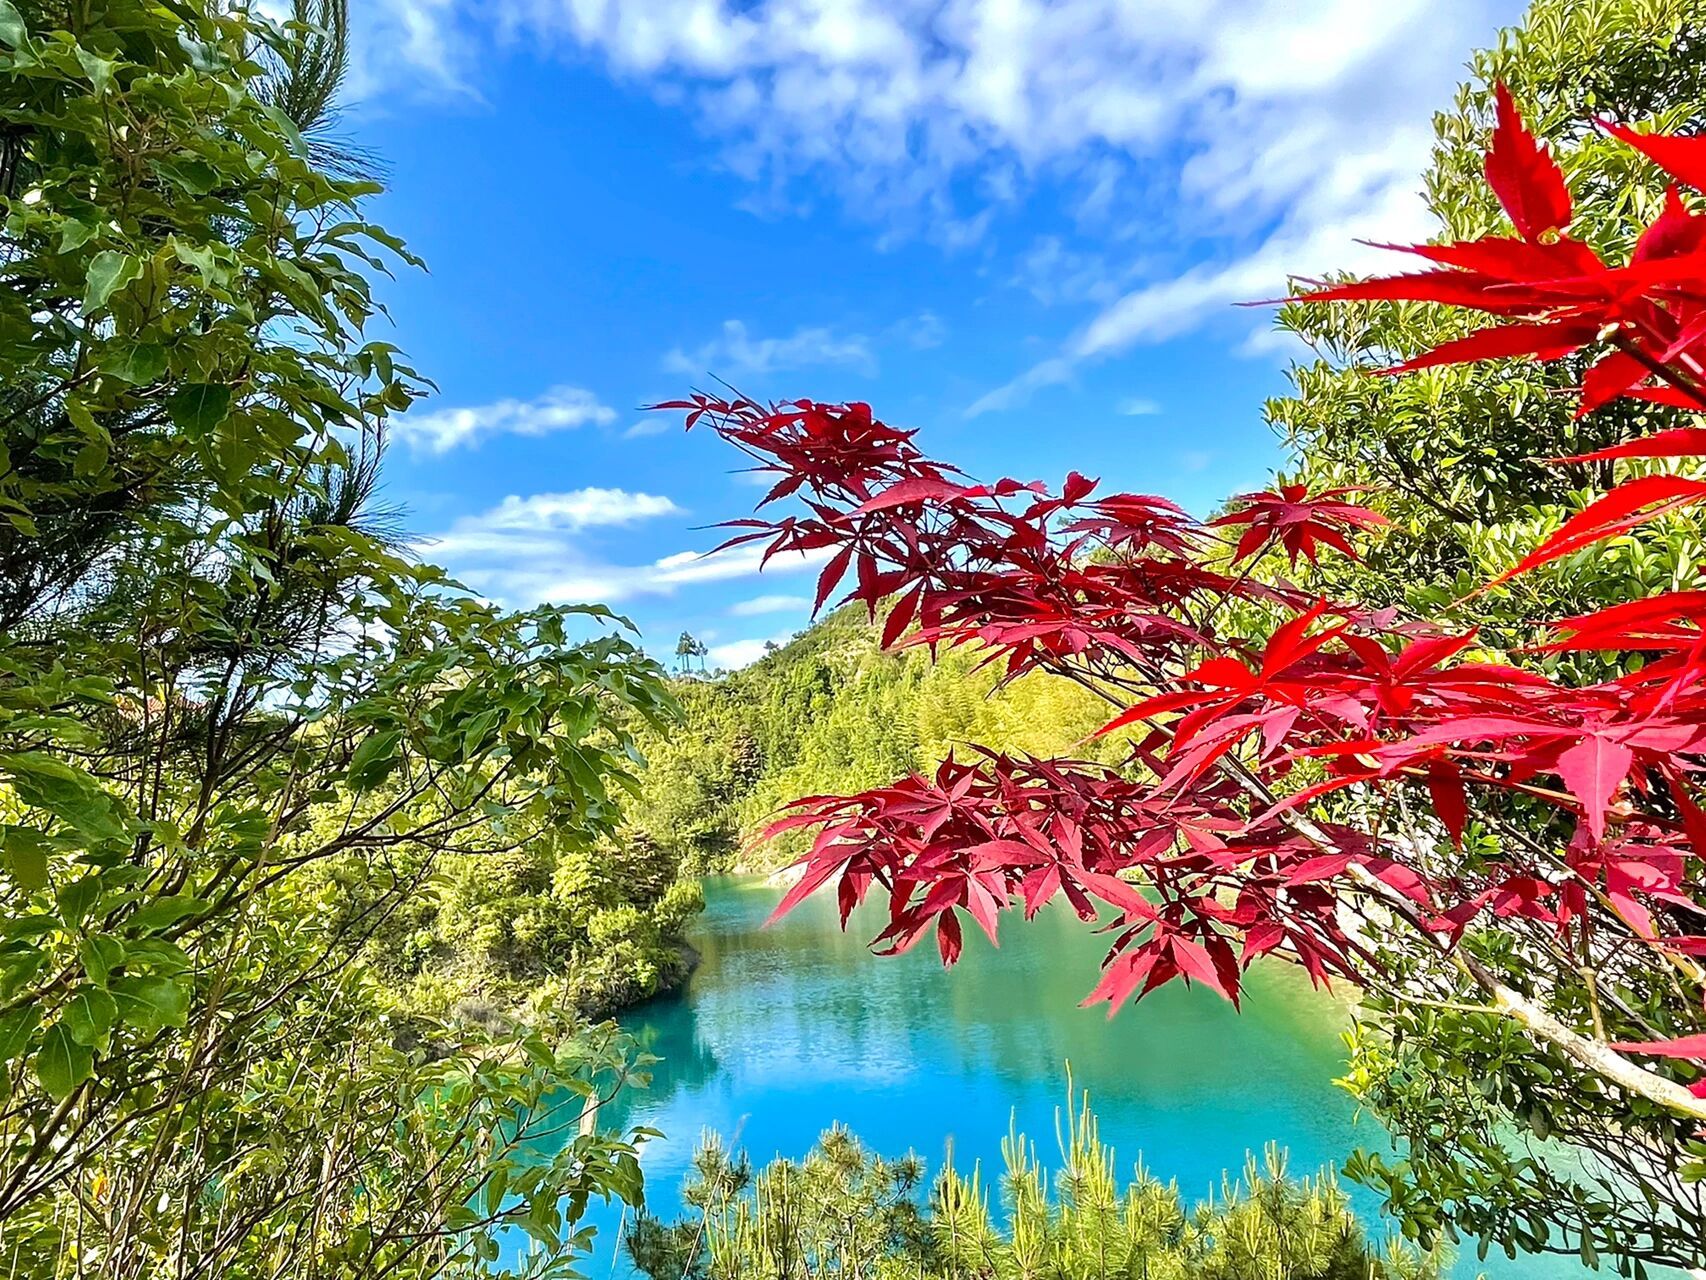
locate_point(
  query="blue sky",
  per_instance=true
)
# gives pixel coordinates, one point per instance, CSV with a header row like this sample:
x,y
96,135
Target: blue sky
x,y
1020,226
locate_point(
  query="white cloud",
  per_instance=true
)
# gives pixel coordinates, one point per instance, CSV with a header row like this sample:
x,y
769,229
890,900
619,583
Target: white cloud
x,y
1045,373
1313,241
439,431
531,550
1367,196
893,100
735,351
577,509
921,332
406,42
522,538
1216,144
769,604
1054,274
720,566
656,425
1139,407
741,653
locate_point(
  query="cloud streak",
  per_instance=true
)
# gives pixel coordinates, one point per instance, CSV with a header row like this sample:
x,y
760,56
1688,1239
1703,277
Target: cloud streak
x,y
742,653
536,549
736,351
1223,143
1233,101
439,431
1311,242
759,605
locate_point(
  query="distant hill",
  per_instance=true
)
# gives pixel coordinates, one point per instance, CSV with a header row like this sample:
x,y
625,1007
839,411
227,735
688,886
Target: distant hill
x,y
831,712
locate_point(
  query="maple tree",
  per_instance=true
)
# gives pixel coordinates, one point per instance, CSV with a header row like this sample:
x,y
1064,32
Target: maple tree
x,y
1344,775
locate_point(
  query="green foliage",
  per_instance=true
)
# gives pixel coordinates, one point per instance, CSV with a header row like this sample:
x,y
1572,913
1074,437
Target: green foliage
x,y
1456,456
549,925
831,712
236,728
843,1211
1500,1139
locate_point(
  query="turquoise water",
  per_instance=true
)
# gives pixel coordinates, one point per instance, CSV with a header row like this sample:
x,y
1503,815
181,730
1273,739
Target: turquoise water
x,y
783,1031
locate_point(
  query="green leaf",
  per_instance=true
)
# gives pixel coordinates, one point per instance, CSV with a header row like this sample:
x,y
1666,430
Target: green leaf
x,y
478,728
61,1063
80,417
99,70
496,1187
149,1003
101,954
76,899
12,28
19,964
16,1028
66,792
288,128
109,271
91,460
374,759
26,853
155,956
203,57
199,407
194,176
459,1217
204,259
73,234
137,363
164,912
89,1017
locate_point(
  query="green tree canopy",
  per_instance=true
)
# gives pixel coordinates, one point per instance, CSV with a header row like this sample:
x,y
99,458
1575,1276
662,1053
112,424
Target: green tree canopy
x,y
219,681
1501,1139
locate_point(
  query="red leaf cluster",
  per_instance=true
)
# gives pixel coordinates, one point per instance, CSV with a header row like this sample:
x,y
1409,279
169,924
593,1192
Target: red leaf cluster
x,y
1200,852
1296,521
1555,296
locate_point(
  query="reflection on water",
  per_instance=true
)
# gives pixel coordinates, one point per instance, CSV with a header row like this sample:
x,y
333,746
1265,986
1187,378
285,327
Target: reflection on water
x,y
786,1030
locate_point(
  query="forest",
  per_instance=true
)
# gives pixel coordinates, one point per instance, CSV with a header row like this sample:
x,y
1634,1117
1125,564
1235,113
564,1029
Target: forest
x,y
831,706
326,880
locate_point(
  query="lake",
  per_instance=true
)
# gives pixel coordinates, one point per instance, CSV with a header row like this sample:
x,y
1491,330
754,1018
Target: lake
x,y
786,1030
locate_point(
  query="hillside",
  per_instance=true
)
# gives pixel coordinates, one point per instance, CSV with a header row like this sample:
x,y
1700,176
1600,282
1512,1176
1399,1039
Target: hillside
x,y
830,712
